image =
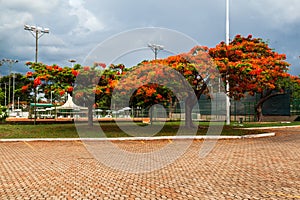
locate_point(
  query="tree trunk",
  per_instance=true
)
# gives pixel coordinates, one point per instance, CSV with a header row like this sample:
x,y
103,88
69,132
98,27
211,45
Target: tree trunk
x,y
258,109
189,104
188,116
90,115
263,98
151,115
172,108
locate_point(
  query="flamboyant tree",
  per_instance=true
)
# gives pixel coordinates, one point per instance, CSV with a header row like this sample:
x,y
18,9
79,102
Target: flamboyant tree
x,y
187,74
251,67
94,86
51,78
147,95
107,82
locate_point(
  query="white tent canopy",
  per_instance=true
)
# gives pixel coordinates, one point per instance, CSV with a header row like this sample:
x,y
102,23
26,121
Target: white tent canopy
x,y
70,105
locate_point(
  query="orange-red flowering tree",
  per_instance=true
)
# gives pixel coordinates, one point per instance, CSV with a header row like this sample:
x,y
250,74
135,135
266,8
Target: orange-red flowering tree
x,y
107,82
187,74
251,67
51,78
94,86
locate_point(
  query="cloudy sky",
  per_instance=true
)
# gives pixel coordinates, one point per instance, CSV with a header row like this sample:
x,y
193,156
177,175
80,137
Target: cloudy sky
x,y
79,26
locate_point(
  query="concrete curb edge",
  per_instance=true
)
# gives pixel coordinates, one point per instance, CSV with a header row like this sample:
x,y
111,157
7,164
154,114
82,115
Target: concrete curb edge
x,y
197,137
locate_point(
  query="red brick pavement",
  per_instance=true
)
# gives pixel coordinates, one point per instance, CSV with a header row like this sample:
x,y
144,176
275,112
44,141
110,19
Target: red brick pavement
x,y
265,168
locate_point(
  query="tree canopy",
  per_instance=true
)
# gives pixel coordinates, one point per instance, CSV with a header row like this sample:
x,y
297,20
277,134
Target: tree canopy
x,y
251,67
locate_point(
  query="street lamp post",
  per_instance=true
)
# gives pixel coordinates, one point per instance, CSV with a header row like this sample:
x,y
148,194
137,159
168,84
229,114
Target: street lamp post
x,y
155,48
5,94
37,33
227,82
13,94
72,61
10,63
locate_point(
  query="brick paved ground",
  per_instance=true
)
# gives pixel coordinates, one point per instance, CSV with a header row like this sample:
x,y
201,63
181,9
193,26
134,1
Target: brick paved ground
x,y
265,168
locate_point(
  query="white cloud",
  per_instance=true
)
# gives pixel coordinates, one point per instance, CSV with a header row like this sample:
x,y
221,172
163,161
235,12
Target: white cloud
x,y
12,19
279,12
87,21
76,26
32,6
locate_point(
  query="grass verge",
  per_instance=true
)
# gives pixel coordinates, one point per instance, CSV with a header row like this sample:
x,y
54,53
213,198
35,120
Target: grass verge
x,y
266,124
110,130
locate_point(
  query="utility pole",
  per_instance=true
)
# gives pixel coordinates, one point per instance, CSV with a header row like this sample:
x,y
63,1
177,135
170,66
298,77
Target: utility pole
x,y
13,94
10,63
37,33
227,77
155,48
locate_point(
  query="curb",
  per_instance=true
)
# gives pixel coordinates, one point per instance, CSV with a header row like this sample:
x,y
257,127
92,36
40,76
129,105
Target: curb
x,y
197,137
271,127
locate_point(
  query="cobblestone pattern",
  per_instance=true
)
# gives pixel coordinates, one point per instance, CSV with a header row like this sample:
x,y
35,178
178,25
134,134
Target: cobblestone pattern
x,y
265,168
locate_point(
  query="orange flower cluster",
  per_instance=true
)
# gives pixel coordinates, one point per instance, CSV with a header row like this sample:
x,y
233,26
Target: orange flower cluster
x,y
37,81
250,65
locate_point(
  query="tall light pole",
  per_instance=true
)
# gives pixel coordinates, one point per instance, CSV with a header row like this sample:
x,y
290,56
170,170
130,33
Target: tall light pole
x,y
13,94
37,33
10,63
72,61
5,95
155,48
227,82
227,22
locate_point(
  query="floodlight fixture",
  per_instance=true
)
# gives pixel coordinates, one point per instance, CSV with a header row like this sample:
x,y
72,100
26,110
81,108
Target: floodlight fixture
x,y
27,27
36,32
155,48
46,30
72,61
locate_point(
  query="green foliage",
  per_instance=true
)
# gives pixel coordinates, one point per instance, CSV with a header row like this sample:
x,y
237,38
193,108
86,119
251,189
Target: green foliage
x,y
2,96
3,113
20,81
295,87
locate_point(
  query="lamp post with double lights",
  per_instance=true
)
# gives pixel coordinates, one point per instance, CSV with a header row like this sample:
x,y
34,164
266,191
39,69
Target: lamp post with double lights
x,y
155,48
37,33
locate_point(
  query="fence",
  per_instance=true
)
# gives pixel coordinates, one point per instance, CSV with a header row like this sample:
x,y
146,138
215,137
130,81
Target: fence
x,y
281,105
295,107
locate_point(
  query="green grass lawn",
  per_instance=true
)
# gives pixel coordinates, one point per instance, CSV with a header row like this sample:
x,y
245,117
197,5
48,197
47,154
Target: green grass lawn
x,y
267,124
109,129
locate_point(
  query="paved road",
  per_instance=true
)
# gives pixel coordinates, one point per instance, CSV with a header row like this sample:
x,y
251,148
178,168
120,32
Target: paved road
x,y
264,168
